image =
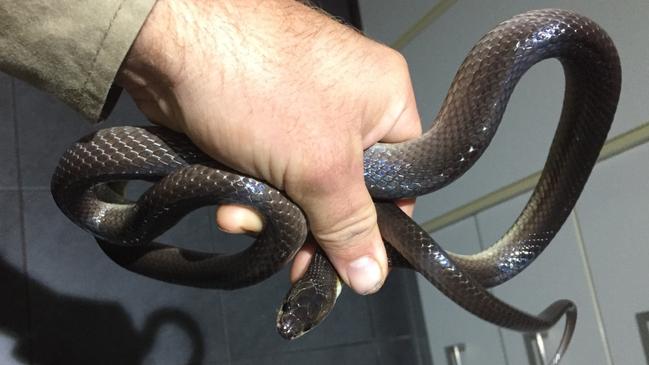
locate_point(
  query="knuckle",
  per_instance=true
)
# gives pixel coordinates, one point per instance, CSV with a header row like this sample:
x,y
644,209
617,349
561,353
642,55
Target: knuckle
x,y
396,62
399,60
346,234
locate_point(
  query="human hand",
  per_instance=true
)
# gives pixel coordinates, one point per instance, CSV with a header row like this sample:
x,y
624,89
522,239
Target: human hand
x,y
282,92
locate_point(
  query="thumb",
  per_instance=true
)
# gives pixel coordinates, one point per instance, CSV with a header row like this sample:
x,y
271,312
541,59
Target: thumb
x,y
358,254
342,219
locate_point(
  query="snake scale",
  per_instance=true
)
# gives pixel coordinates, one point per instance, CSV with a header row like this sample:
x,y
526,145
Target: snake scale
x,y
88,184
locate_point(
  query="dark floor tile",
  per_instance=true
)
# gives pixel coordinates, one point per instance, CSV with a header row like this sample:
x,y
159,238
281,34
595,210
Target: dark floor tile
x,y
14,316
10,240
169,339
198,231
8,161
397,352
125,113
397,313
391,312
422,346
226,242
250,320
87,310
193,232
46,127
418,330
353,354
416,309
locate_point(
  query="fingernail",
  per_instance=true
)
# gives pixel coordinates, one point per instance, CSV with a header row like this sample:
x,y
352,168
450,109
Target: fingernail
x,y
364,275
251,222
237,219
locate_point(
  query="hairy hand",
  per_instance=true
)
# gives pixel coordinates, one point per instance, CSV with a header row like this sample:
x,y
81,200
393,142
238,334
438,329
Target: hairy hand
x,y
280,91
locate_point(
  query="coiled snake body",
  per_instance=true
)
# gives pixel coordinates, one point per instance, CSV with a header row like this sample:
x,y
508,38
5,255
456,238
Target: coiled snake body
x,y
87,184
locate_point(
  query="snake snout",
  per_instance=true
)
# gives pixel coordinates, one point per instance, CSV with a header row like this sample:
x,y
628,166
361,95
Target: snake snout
x,y
291,326
304,308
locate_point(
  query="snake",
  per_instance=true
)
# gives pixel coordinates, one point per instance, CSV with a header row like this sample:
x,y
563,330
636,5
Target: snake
x,y
90,181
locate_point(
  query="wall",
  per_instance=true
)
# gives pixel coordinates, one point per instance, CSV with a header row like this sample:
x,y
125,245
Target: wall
x,y
65,302
599,258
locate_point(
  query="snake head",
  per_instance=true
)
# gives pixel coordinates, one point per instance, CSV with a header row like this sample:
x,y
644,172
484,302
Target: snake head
x,y
304,307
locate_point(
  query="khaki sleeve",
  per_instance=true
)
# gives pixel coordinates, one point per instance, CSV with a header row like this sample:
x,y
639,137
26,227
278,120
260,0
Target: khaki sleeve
x,y
70,48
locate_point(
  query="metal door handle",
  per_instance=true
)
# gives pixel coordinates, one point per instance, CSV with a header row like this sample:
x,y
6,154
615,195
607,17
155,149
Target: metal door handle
x,y
454,353
535,347
643,326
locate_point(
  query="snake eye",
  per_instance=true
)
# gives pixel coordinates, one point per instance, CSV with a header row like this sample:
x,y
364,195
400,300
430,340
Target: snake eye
x,y
285,307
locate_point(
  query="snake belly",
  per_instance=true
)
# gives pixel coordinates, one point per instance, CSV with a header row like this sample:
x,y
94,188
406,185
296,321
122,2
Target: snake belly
x,y
86,185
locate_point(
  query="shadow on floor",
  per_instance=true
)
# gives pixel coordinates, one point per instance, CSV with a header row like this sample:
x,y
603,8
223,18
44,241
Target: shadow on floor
x,y
77,330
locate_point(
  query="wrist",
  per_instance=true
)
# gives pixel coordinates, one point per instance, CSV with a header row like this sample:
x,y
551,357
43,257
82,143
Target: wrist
x,y
157,52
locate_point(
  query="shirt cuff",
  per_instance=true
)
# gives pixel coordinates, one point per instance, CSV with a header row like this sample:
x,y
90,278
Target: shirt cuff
x,y
71,49
98,95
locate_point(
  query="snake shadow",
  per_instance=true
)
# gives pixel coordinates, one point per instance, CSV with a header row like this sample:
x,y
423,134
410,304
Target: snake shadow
x,y
77,330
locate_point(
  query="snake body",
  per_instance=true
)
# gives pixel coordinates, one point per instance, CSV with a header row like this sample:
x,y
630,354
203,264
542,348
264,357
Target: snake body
x,y
87,184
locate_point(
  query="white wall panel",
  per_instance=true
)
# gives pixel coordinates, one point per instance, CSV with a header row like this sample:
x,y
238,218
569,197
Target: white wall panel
x,y
558,273
448,324
614,218
521,145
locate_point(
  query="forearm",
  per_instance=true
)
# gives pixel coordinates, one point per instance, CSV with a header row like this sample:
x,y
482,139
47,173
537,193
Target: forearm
x,y
71,49
266,30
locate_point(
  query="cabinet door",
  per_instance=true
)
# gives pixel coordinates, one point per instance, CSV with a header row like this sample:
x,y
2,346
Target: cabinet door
x,y
446,323
614,217
559,273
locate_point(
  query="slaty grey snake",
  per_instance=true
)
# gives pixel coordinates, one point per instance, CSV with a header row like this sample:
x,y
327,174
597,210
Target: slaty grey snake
x,y
88,184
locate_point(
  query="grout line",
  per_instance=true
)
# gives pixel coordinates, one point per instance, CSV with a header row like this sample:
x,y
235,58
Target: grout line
x,y
420,25
24,188
228,352
503,348
613,147
482,245
21,218
29,188
591,287
309,349
315,349
35,188
370,314
396,338
9,188
377,352
411,285
373,329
